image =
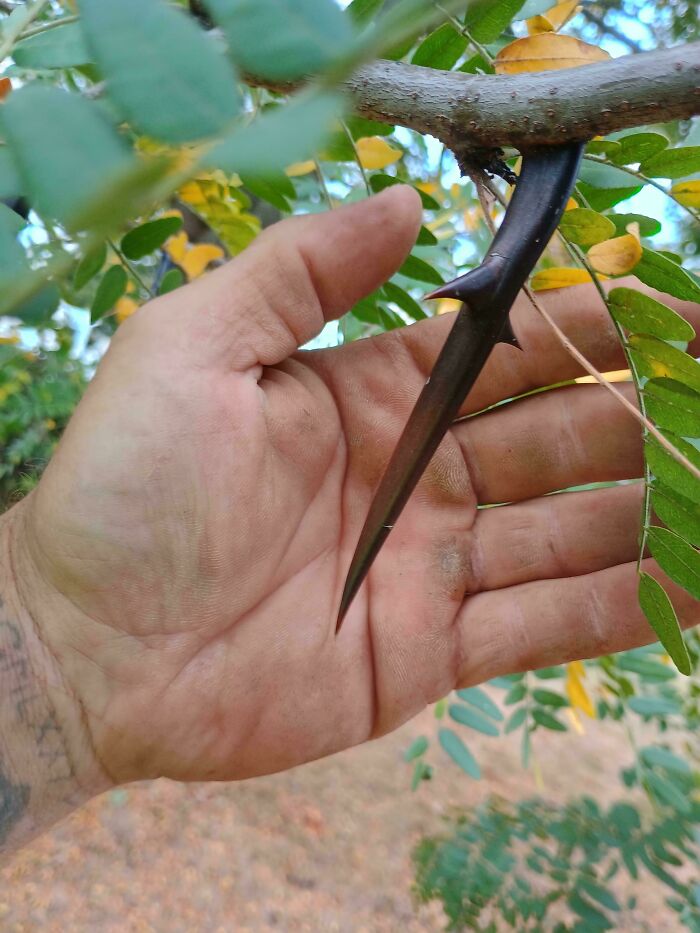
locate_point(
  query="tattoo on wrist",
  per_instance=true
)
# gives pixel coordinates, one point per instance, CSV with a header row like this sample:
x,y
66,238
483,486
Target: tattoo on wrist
x,y
30,731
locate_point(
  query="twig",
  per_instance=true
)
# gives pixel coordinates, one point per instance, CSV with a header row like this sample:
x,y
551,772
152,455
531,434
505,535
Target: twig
x,y
646,424
600,378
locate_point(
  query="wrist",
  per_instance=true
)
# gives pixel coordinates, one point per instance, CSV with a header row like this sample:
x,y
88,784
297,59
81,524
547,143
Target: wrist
x,y
47,763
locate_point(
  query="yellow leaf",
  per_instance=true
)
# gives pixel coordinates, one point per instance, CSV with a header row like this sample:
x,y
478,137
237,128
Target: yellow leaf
x,y
176,247
536,25
577,693
124,308
554,19
300,168
620,375
547,52
687,192
375,152
192,193
9,341
576,669
448,305
197,258
575,720
428,187
616,256
571,204
559,278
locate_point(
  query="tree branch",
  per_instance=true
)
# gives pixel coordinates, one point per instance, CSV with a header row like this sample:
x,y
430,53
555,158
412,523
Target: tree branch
x,y
484,111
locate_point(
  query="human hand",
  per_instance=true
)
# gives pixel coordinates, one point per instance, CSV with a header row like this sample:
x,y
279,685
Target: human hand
x,y
184,555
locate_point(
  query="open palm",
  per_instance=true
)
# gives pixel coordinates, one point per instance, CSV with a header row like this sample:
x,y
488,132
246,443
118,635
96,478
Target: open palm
x,y
193,532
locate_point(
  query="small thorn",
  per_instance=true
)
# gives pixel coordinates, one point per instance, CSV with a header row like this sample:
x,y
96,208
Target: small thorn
x,y
445,291
508,336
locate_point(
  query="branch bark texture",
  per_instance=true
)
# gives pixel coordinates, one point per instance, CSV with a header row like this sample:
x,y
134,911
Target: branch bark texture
x,y
485,111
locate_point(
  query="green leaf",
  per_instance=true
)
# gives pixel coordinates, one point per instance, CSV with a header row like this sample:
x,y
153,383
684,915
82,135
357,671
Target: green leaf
x,y
426,238
283,39
515,694
39,120
637,147
459,752
654,358
10,182
670,471
62,47
656,757
549,698
678,559
673,163
379,182
167,77
363,11
279,137
662,617
486,19
593,918
600,894
646,668
673,406
667,792
172,279
604,147
648,226
408,304
466,716
599,175
89,266
548,721
13,261
676,511
640,314
661,273
516,720
421,772
653,706
417,748
421,271
441,49
109,291
604,185
271,188
146,239
585,227
600,199
481,700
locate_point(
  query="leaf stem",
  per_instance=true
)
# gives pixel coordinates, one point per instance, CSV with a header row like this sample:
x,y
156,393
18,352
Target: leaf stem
x,y
601,160
361,167
51,24
13,30
130,266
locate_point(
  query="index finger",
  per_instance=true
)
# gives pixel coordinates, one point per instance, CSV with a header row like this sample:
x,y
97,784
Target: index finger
x,y
543,361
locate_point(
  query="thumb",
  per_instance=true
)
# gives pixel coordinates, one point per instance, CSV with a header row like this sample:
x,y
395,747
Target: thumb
x,y
298,274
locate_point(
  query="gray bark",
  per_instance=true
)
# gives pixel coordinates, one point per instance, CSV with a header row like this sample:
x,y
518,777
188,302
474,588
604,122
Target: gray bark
x,y
485,111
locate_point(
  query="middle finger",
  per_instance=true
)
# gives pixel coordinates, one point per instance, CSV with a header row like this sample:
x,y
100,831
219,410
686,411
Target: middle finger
x,y
557,439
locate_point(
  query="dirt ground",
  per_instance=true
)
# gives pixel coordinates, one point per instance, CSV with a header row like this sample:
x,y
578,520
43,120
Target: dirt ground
x,y
322,848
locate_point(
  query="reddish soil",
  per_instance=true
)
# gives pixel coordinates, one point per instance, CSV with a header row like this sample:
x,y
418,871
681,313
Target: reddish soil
x,y
322,848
